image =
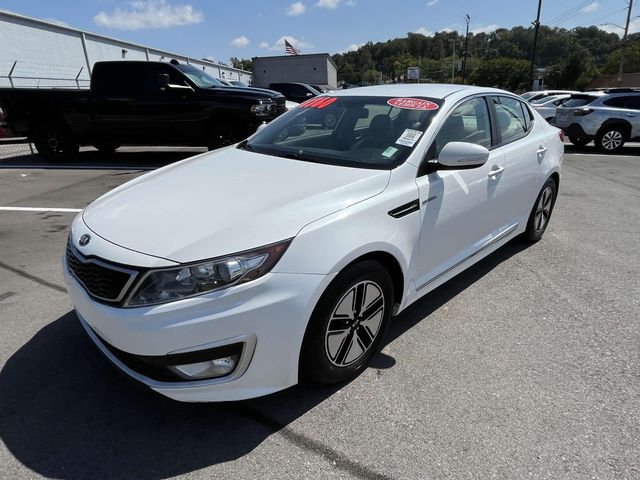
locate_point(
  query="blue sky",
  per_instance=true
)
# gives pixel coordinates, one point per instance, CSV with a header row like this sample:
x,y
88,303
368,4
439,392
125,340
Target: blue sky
x,y
220,29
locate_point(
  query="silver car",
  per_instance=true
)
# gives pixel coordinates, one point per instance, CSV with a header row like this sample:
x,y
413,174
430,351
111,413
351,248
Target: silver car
x,y
609,118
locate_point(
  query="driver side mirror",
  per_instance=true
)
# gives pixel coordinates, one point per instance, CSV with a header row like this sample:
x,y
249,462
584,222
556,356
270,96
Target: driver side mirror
x,y
461,155
163,81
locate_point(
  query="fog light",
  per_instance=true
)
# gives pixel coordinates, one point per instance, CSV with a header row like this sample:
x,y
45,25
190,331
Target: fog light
x,y
217,367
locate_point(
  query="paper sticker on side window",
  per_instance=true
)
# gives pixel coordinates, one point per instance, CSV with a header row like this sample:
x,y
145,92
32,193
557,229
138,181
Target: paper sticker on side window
x,y
409,137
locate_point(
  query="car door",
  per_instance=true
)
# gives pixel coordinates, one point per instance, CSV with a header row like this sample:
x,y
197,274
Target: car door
x,y
462,210
523,144
633,115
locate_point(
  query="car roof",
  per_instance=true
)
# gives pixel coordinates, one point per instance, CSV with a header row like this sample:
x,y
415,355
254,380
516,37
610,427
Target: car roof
x,y
434,90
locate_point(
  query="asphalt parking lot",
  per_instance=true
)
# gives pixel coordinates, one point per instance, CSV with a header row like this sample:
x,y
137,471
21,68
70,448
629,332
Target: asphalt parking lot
x,y
525,366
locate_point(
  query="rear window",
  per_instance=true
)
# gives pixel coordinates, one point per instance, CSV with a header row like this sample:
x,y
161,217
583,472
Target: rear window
x,y
579,101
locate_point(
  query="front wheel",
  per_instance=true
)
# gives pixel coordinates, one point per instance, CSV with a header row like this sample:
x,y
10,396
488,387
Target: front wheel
x,y
579,141
55,143
541,211
610,139
348,324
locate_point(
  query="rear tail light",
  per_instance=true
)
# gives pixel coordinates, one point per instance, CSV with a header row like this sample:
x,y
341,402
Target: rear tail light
x,y
561,133
580,112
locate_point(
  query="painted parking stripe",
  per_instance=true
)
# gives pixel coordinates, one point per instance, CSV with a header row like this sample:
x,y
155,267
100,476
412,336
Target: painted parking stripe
x,y
40,209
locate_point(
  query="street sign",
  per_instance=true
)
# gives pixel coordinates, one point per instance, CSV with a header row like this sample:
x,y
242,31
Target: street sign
x,y
413,73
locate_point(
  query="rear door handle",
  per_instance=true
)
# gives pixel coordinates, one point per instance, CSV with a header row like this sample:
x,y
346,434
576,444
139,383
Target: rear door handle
x,y
630,114
541,150
495,171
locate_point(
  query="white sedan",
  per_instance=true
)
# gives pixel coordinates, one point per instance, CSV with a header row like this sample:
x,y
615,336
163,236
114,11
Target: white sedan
x,y
235,273
547,106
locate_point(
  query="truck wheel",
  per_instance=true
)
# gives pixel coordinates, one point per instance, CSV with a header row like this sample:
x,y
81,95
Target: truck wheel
x,y
106,148
55,143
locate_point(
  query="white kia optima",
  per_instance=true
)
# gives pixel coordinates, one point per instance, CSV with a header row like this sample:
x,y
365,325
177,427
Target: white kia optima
x,y
234,273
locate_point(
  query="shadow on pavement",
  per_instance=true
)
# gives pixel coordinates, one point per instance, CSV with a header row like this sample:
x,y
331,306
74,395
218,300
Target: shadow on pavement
x,y
126,158
66,413
632,149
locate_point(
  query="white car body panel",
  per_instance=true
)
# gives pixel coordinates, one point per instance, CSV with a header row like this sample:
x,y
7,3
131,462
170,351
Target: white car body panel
x,y
335,216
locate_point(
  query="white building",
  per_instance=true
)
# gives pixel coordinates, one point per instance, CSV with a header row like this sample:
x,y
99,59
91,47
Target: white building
x,y
36,53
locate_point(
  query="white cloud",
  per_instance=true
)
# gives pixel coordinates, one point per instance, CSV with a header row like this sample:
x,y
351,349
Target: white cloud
x,y
424,31
328,3
240,42
634,27
350,3
149,14
352,48
592,7
295,9
449,29
488,29
431,3
279,44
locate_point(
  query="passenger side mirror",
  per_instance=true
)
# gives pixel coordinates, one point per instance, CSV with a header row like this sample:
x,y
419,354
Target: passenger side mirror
x,y
462,155
163,81
309,94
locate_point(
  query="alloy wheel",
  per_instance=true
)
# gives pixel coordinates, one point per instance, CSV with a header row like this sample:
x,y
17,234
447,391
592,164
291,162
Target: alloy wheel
x,y
612,140
354,323
543,209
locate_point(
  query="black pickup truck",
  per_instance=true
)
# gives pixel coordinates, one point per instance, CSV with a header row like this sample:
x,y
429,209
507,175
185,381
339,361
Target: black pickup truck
x,y
138,103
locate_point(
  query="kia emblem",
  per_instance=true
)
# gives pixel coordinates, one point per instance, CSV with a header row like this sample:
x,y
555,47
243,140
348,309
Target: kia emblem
x,y
84,239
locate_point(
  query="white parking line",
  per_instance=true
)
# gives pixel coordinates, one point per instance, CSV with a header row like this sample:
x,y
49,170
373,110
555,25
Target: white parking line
x,y
40,209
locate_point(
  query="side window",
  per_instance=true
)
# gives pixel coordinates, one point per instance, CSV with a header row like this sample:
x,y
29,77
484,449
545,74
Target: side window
x,y
528,116
510,118
468,122
633,102
617,102
299,91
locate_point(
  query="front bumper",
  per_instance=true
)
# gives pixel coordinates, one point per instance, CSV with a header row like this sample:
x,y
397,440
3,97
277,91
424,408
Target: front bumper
x,y
269,316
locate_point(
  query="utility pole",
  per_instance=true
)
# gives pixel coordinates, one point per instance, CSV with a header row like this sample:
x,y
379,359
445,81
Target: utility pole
x,y
453,62
536,25
466,47
624,39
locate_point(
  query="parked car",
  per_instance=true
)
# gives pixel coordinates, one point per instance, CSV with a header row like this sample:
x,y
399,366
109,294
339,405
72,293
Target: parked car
x,y
290,105
546,106
536,95
296,92
138,103
609,118
325,224
3,133
320,88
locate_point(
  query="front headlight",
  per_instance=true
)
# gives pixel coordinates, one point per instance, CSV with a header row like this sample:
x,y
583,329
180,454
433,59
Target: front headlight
x,y
167,285
263,108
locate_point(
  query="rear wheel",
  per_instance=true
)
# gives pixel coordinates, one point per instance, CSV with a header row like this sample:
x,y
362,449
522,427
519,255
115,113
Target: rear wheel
x,y
610,139
348,324
541,211
579,141
55,143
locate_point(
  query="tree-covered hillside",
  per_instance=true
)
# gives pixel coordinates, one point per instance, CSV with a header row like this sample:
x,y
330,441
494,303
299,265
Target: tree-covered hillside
x,y
572,58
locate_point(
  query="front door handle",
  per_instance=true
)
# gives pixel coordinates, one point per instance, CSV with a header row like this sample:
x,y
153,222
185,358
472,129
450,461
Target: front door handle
x,y
495,171
541,150
630,114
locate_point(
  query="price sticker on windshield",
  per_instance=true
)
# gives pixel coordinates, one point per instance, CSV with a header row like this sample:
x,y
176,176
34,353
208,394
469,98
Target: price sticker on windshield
x,y
412,104
409,137
318,102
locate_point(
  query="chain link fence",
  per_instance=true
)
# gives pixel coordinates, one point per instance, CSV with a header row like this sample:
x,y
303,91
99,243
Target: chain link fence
x,y
41,75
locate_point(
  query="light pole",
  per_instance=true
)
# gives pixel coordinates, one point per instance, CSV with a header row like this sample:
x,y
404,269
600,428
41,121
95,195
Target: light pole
x,y
536,25
466,47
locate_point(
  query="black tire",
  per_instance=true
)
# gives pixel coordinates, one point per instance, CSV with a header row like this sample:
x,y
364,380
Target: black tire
x,y
339,355
106,148
610,139
541,211
55,143
579,141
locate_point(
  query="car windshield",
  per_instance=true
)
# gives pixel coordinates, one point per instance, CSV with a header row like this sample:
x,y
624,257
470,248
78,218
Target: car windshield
x,y
528,95
199,77
354,131
542,100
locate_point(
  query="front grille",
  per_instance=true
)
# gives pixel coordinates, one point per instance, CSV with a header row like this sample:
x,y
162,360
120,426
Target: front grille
x,y
280,106
101,280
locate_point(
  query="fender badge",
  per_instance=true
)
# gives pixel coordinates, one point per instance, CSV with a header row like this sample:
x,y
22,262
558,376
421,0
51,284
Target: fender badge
x,y
84,239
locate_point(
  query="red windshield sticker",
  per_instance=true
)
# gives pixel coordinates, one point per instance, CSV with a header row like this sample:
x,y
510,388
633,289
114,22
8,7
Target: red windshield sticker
x,y
412,104
318,102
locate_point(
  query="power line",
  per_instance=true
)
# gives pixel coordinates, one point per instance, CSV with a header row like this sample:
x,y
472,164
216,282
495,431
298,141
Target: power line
x,y
572,12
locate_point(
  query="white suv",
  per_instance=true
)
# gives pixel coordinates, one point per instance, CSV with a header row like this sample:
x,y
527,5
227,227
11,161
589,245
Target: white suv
x,y
609,118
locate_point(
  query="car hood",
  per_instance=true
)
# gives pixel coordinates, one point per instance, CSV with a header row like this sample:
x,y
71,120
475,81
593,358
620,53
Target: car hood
x,y
225,202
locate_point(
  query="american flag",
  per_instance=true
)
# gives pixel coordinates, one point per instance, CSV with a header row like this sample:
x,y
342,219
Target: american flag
x,y
290,49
